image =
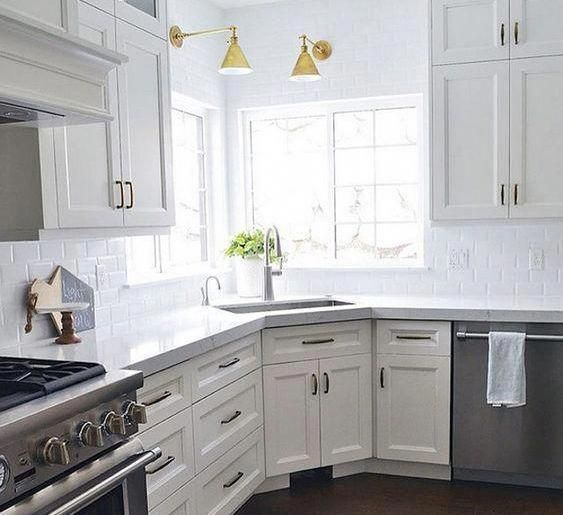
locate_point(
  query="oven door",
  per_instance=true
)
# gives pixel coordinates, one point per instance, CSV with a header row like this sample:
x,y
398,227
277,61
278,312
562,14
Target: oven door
x,y
112,485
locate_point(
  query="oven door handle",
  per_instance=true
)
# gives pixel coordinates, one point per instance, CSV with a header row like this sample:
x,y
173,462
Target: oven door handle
x,y
106,485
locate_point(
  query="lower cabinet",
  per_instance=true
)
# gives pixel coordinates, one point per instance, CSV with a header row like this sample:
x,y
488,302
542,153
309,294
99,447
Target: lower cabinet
x,y
181,502
413,408
317,413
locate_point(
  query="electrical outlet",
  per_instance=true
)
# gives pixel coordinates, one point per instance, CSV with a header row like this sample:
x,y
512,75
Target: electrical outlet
x,y
536,259
458,259
102,278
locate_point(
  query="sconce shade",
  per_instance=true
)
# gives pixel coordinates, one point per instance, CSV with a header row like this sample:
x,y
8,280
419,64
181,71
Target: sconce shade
x,y
235,62
305,69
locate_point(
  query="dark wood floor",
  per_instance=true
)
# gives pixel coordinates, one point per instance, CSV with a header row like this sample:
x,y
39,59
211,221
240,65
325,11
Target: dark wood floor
x,y
369,493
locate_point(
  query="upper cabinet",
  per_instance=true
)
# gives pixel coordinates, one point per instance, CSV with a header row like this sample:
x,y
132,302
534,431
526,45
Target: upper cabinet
x,y
149,15
60,14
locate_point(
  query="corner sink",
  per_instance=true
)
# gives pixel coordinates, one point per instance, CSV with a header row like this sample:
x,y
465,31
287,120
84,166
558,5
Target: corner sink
x,y
282,305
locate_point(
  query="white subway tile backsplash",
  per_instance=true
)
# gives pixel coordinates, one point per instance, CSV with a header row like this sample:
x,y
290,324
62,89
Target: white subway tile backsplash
x,y
25,252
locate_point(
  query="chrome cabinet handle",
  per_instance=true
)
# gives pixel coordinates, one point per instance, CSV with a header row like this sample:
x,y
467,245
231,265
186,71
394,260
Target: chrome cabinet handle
x,y
516,32
131,195
327,382
317,342
502,34
382,377
228,364
502,188
412,337
162,465
235,479
315,384
516,194
234,416
158,399
121,204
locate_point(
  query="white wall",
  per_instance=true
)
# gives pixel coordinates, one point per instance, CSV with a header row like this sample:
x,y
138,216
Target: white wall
x,y
380,48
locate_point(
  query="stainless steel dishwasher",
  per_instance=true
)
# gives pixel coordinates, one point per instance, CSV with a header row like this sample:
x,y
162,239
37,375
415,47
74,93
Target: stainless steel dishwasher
x,y
521,446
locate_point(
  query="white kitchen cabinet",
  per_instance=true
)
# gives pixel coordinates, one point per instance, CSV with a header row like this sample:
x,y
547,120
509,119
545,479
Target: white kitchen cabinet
x,y
413,408
470,30
536,122
181,502
145,128
470,168
87,157
346,415
414,337
149,15
60,14
536,28
292,417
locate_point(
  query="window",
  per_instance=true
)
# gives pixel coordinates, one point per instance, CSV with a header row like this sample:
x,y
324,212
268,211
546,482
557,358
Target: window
x,y
342,182
187,243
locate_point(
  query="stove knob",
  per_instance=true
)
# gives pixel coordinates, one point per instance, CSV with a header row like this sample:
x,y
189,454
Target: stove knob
x,y
91,435
54,451
136,412
114,424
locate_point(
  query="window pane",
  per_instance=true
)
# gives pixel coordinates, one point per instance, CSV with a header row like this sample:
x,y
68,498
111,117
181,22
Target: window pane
x,y
353,129
355,242
355,204
396,203
268,136
306,134
397,241
395,126
396,164
354,166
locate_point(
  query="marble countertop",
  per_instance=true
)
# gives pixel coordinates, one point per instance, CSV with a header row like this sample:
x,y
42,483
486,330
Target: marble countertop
x,y
157,342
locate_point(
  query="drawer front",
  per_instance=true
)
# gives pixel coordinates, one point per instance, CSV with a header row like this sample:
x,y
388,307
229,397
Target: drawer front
x,y
231,480
227,417
176,466
282,345
166,393
414,337
181,502
222,366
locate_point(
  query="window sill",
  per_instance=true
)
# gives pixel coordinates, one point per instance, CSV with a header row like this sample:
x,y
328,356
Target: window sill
x,y
154,278
418,267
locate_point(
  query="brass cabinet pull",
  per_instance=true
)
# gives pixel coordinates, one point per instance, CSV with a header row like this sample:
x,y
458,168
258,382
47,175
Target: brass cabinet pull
x,y
131,195
235,479
315,384
318,342
502,188
159,467
158,399
516,194
121,204
382,377
516,32
327,382
228,364
502,34
234,416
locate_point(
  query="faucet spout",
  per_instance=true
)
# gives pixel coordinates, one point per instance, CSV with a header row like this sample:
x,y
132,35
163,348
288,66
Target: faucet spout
x,y
268,293
205,289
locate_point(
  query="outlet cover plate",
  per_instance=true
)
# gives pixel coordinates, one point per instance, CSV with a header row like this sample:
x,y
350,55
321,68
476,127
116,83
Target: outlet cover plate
x,y
536,259
458,259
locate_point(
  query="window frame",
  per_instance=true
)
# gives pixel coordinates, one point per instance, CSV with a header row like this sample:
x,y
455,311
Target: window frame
x,y
328,110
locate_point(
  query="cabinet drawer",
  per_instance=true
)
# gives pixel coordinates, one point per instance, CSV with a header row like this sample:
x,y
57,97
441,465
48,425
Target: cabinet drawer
x,y
181,502
176,466
285,344
224,365
225,485
166,393
226,417
413,337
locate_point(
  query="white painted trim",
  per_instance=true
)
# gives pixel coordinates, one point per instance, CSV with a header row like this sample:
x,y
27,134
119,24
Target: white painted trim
x,y
408,469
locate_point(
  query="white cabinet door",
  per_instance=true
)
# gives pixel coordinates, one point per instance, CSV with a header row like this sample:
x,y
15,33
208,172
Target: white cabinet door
x,y
149,15
536,119
291,417
346,409
413,408
536,27
470,141
87,160
470,30
144,116
60,14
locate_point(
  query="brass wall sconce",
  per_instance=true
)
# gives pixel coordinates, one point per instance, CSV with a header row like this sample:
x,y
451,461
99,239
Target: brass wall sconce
x,y
305,69
234,63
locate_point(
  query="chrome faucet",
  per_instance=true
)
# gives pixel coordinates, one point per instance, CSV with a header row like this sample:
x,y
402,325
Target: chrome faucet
x,y
205,289
268,271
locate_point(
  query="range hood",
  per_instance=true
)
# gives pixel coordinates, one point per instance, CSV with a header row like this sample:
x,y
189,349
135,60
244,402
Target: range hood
x,y
50,77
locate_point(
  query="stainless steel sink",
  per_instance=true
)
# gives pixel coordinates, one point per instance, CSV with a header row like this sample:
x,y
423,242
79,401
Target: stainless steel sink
x,y
282,305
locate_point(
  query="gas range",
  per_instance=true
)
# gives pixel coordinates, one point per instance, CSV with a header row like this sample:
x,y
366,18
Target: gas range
x,y
57,418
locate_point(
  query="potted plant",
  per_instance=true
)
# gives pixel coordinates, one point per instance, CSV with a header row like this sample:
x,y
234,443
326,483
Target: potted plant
x,y
247,247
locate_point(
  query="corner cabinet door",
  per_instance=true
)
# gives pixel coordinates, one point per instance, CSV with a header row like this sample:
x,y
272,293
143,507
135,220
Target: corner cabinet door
x,y
536,120
539,28
466,31
87,163
145,122
346,409
470,141
149,15
413,408
291,417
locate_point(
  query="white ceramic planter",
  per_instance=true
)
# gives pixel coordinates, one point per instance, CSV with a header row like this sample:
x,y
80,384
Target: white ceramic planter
x,y
250,277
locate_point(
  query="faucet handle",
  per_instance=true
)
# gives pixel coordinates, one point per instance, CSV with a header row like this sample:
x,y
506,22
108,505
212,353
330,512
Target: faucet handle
x,y
279,271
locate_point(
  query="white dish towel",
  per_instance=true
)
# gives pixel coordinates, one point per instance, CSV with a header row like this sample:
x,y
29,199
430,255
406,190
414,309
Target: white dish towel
x,y
506,376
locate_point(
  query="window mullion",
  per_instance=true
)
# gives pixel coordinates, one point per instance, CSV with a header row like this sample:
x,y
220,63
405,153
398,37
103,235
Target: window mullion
x,y
331,140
